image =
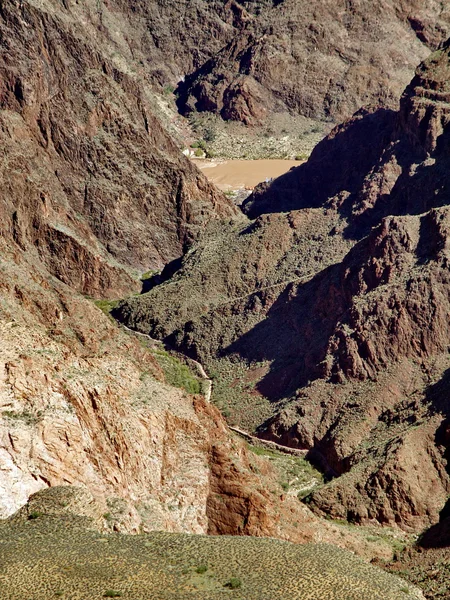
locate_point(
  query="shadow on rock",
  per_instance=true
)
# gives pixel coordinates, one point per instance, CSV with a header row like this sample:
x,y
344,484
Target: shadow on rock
x,y
294,335
169,271
336,166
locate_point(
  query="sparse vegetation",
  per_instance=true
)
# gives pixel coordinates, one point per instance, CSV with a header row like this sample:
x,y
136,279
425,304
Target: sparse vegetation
x,y
209,134
295,473
177,373
171,566
106,306
35,514
286,137
201,569
234,583
28,417
148,274
232,394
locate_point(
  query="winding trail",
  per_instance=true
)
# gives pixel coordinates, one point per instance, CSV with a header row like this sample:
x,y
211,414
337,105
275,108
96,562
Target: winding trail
x,y
207,391
256,441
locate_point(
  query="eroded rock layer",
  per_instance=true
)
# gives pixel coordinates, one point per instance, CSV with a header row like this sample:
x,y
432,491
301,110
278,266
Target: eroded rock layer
x,y
323,59
91,181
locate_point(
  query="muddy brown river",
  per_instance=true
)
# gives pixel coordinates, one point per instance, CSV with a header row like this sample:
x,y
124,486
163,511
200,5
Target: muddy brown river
x,y
238,174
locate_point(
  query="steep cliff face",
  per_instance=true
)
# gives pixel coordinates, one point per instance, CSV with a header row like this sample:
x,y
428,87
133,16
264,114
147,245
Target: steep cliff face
x,y
83,403
179,37
321,59
93,191
338,307
91,182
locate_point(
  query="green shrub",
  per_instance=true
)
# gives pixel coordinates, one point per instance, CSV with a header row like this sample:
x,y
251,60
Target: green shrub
x,y
201,569
234,583
199,144
35,514
112,594
198,152
210,134
148,274
106,306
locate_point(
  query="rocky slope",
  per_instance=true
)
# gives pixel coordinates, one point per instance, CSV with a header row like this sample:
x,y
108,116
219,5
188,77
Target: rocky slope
x,y
321,59
91,181
336,309
93,192
85,403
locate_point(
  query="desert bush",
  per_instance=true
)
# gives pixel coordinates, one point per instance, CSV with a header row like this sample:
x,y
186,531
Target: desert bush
x,y
201,569
210,134
234,583
34,515
106,306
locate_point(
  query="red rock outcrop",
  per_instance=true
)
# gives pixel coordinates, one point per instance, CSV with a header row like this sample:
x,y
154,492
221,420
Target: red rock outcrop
x,y
91,181
321,59
83,403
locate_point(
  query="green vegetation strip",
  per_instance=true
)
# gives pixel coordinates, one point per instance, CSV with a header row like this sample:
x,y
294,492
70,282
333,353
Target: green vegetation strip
x,y
176,373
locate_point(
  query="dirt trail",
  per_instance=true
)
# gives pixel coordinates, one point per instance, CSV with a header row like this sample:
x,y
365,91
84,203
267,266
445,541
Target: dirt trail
x,y
207,391
256,441
240,174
